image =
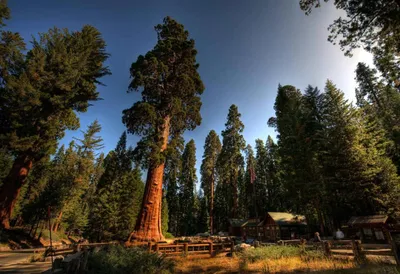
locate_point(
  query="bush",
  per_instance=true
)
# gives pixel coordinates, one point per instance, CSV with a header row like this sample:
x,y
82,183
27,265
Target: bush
x,y
117,259
277,252
169,235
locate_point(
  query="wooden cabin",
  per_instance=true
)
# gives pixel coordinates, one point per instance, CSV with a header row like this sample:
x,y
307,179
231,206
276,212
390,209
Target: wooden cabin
x,y
273,227
372,228
282,226
236,227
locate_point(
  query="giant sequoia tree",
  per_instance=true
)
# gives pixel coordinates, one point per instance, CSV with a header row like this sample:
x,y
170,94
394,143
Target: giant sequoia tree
x,y
171,87
40,92
208,170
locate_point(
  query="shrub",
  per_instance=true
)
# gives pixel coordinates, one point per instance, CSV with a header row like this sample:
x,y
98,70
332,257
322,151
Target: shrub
x,y
169,235
117,259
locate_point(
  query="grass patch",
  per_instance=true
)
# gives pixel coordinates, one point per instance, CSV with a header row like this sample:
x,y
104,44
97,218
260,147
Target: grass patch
x,y
117,259
55,236
278,252
37,257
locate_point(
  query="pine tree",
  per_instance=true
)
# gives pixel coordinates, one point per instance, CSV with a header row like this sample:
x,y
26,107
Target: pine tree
x,y
250,199
275,187
370,24
164,216
116,201
208,171
40,93
75,211
230,160
380,101
289,125
203,218
171,88
173,168
187,184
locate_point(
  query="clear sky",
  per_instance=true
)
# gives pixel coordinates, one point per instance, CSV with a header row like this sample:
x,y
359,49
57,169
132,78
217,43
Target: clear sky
x,y
245,49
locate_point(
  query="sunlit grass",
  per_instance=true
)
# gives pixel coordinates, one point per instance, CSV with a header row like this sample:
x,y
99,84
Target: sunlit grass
x,y
278,260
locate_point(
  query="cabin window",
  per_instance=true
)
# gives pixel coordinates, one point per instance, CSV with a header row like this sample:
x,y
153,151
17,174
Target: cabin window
x,y
367,231
379,235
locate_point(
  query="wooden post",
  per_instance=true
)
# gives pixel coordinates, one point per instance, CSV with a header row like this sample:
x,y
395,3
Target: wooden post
x,y
395,249
359,256
157,247
185,248
327,248
150,246
211,248
222,246
232,246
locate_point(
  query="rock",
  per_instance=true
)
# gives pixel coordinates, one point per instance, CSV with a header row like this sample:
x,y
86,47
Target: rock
x,y
241,247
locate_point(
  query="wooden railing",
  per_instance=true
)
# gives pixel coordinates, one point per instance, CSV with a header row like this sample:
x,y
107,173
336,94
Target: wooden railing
x,y
190,248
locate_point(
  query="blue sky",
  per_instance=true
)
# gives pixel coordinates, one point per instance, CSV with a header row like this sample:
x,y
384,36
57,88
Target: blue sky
x,y
246,48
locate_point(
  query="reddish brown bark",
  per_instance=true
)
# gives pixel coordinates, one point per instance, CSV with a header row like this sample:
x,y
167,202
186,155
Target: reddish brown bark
x,y
148,223
11,188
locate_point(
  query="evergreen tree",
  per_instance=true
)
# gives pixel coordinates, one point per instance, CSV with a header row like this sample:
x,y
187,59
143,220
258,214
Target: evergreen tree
x,y
164,216
275,188
173,168
380,101
230,160
40,92
250,178
208,171
116,201
171,88
289,125
203,218
370,24
187,183
75,210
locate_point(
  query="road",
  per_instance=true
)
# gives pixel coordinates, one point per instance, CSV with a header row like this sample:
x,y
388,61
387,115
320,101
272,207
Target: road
x,y
18,262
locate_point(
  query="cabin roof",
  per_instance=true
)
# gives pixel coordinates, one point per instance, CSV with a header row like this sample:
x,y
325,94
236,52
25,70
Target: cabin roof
x,y
368,220
285,218
237,222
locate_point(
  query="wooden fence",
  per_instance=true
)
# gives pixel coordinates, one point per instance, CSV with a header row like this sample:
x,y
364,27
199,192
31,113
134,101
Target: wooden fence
x,y
168,249
189,248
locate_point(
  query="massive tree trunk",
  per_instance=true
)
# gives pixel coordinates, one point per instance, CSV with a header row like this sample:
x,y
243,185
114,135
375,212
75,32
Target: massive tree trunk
x,y
11,188
148,223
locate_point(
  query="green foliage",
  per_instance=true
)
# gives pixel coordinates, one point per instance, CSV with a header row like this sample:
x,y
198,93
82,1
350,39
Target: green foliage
x,y
171,87
168,235
117,196
187,182
6,161
59,75
164,216
230,161
172,171
333,160
208,171
117,259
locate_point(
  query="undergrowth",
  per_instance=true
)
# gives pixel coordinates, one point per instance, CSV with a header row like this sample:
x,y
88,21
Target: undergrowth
x,y
118,259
